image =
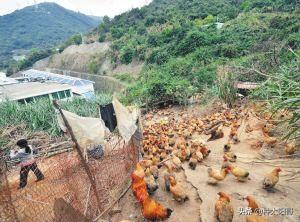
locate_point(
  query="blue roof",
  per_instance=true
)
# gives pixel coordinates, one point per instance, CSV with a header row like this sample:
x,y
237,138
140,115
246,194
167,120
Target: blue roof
x,y
74,81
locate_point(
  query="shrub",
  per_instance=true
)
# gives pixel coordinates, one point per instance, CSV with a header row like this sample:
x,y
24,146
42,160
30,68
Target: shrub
x,y
125,77
294,40
102,38
229,51
158,56
126,54
93,67
226,90
192,41
281,91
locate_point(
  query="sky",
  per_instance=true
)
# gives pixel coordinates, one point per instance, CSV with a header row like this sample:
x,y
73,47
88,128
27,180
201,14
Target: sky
x,y
89,7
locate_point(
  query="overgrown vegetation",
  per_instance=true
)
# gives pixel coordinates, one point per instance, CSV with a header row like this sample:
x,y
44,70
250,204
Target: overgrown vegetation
x,y
281,91
33,57
184,42
41,116
226,90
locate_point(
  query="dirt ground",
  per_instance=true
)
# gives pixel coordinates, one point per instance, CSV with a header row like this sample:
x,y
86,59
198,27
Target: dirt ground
x,y
286,195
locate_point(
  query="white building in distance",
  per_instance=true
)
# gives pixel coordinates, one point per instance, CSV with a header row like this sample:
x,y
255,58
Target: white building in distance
x,y
80,87
32,91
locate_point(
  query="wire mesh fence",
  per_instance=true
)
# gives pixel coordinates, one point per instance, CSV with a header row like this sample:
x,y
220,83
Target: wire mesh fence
x,y
66,193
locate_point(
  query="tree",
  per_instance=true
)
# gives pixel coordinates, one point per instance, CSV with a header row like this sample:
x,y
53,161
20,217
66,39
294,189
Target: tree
x,y
126,54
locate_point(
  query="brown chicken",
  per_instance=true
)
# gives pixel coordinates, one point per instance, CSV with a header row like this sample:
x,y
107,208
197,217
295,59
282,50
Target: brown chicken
x,y
229,154
223,209
235,139
270,141
177,190
145,163
139,187
216,176
193,162
240,173
139,171
267,129
216,134
248,128
233,132
199,156
289,148
256,144
154,211
271,179
253,217
226,163
205,152
154,171
176,163
172,141
152,185
167,175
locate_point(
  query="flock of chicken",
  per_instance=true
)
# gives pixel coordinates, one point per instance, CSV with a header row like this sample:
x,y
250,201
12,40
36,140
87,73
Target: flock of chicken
x,y
170,142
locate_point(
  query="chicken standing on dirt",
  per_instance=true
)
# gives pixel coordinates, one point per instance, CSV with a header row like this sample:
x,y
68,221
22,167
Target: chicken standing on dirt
x,y
240,173
154,171
254,206
139,171
270,141
229,154
152,185
193,162
216,176
177,163
177,190
271,179
223,209
205,151
289,149
167,176
139,187
154,211
216,134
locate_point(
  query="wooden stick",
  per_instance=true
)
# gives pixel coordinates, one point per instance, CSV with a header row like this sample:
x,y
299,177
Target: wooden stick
x,y
87,200
79,148
165,160
36,201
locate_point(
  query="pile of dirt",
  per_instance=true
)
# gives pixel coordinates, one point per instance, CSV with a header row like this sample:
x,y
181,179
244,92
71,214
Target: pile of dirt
x,y
79,58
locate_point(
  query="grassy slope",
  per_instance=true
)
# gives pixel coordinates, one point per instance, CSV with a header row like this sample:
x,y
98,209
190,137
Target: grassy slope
x,y
183,50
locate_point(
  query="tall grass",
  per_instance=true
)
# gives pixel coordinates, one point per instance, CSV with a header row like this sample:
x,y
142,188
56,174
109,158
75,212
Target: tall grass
x,y
225,85
41,116
282,92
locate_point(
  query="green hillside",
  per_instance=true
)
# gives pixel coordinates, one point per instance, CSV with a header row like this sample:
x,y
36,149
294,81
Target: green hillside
x,y
42,26
187,44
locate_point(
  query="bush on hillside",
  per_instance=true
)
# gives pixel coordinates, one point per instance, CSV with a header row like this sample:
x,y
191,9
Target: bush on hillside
x,y
74,40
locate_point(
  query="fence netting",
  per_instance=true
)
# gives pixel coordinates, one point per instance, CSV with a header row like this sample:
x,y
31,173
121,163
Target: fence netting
x,y
66,192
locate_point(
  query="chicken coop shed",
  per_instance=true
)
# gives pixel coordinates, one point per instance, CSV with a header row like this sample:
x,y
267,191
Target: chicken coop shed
x,y
80,87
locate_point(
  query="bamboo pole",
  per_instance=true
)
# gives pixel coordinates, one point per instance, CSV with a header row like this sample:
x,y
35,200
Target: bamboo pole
x,y
78,148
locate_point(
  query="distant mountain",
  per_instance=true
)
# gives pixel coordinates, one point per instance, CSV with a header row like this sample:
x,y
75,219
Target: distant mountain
x,y
41,26
96,18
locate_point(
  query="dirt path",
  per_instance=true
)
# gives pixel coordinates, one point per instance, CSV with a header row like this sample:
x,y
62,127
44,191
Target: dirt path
x,y
286,196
